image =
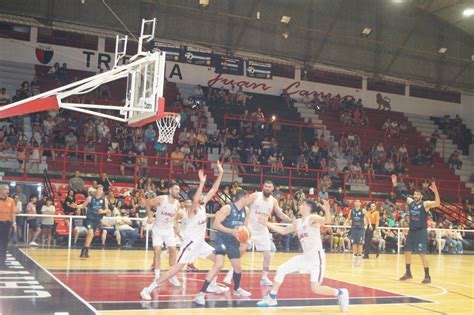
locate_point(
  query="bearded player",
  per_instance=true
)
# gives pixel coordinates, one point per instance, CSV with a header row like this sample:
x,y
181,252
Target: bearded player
x,y
417,238
165,226
194,244
262,203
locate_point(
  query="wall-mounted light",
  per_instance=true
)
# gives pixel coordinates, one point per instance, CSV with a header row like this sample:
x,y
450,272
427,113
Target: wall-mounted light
x,y
366,31
285,19
442,50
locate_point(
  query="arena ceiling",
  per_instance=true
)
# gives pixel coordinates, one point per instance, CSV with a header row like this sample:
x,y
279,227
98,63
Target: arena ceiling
x,y
405,40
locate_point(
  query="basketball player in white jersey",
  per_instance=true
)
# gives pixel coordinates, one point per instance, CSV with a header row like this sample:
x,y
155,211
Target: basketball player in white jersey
x,y
313,260
194,245
165,226
262,203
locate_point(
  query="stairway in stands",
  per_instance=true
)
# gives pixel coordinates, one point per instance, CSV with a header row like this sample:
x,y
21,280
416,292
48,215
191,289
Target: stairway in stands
x,y
426,126
374,134
287,136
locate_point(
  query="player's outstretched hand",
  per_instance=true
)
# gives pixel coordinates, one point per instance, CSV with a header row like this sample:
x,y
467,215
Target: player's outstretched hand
x,y
433,187
202,176
219,167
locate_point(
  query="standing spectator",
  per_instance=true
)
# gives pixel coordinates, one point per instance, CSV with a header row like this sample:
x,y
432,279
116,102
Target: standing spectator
x,y
373,217
128,161
76,183
31,221
69,205
7,220
47,223
4,100
105,181
142,165
150,135
20,221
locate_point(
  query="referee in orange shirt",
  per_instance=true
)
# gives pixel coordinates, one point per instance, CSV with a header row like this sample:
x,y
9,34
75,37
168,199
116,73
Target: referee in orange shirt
x,y
374,218
7,220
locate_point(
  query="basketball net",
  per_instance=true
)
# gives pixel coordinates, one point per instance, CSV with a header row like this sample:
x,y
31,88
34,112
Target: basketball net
x,y
167,126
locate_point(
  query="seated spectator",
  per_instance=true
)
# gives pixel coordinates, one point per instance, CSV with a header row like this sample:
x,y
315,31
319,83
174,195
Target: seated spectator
x,y
213,142
103,132
107,226
76,183
140,146
273,162
402,154
48,126
177,158
188,163
302,163
454,160
90,130
202,139
389,167
105,181
123,225
128,162
71,141
323,194
62,75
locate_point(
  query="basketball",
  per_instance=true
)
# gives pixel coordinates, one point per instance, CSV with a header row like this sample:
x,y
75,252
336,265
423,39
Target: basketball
x,y
243,235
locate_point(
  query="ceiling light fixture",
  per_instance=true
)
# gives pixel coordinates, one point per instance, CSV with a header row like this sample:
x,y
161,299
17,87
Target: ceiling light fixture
x,y
285,19
442,50
366,31
285,35
468,12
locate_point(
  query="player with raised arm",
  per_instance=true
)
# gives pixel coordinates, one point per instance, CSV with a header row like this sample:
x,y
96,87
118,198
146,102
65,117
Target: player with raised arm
x,y
227,222
165,226
194,244
97,206
262,203
417,238
313,259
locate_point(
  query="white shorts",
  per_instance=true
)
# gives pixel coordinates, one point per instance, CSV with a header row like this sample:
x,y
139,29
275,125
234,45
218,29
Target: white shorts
x,y
315,266
262,242
190,250
166,236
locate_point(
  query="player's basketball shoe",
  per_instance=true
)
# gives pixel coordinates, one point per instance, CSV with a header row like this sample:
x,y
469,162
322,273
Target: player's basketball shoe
x,y
266,281
215,288
242,292
343,300
174,281
267,302
406,276
426,280
200,299
145,294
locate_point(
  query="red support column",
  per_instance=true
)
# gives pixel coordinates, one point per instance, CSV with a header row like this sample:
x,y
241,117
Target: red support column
x,y
63,175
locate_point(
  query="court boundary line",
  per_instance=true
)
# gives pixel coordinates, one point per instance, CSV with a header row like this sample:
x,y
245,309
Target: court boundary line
x,y
92,308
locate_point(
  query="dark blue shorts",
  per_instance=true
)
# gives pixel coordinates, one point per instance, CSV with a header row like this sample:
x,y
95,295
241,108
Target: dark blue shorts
x,y
91,224
357,236
227,246
417,241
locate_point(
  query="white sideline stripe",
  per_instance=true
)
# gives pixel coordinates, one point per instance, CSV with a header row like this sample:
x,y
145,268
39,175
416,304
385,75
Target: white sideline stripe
x,y
61,283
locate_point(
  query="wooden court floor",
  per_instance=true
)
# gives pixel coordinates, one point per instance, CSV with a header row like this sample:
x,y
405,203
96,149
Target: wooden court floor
x,y
452,290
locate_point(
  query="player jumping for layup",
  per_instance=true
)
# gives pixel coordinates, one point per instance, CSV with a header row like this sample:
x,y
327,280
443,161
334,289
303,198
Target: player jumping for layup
x,y
417,238
227,221
194,244
164,227
313,260
262,203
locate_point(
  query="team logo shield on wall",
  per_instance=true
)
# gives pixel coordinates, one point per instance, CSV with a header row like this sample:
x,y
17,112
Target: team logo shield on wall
x,y
44,54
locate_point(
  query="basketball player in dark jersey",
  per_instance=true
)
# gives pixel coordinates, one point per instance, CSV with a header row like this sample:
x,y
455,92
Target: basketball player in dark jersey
x,y
417,238
97,206
358,219
227,221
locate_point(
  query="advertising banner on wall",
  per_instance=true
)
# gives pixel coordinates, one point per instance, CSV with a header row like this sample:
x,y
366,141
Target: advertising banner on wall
x,y
261,70
229,65
197,57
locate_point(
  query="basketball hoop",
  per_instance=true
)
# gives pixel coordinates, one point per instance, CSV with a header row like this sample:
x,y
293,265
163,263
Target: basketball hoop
x,y
167,126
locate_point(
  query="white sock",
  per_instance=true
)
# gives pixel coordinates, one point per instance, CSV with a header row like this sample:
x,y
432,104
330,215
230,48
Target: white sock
x,y
264,274
153,285
214,281
157,273
231,271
